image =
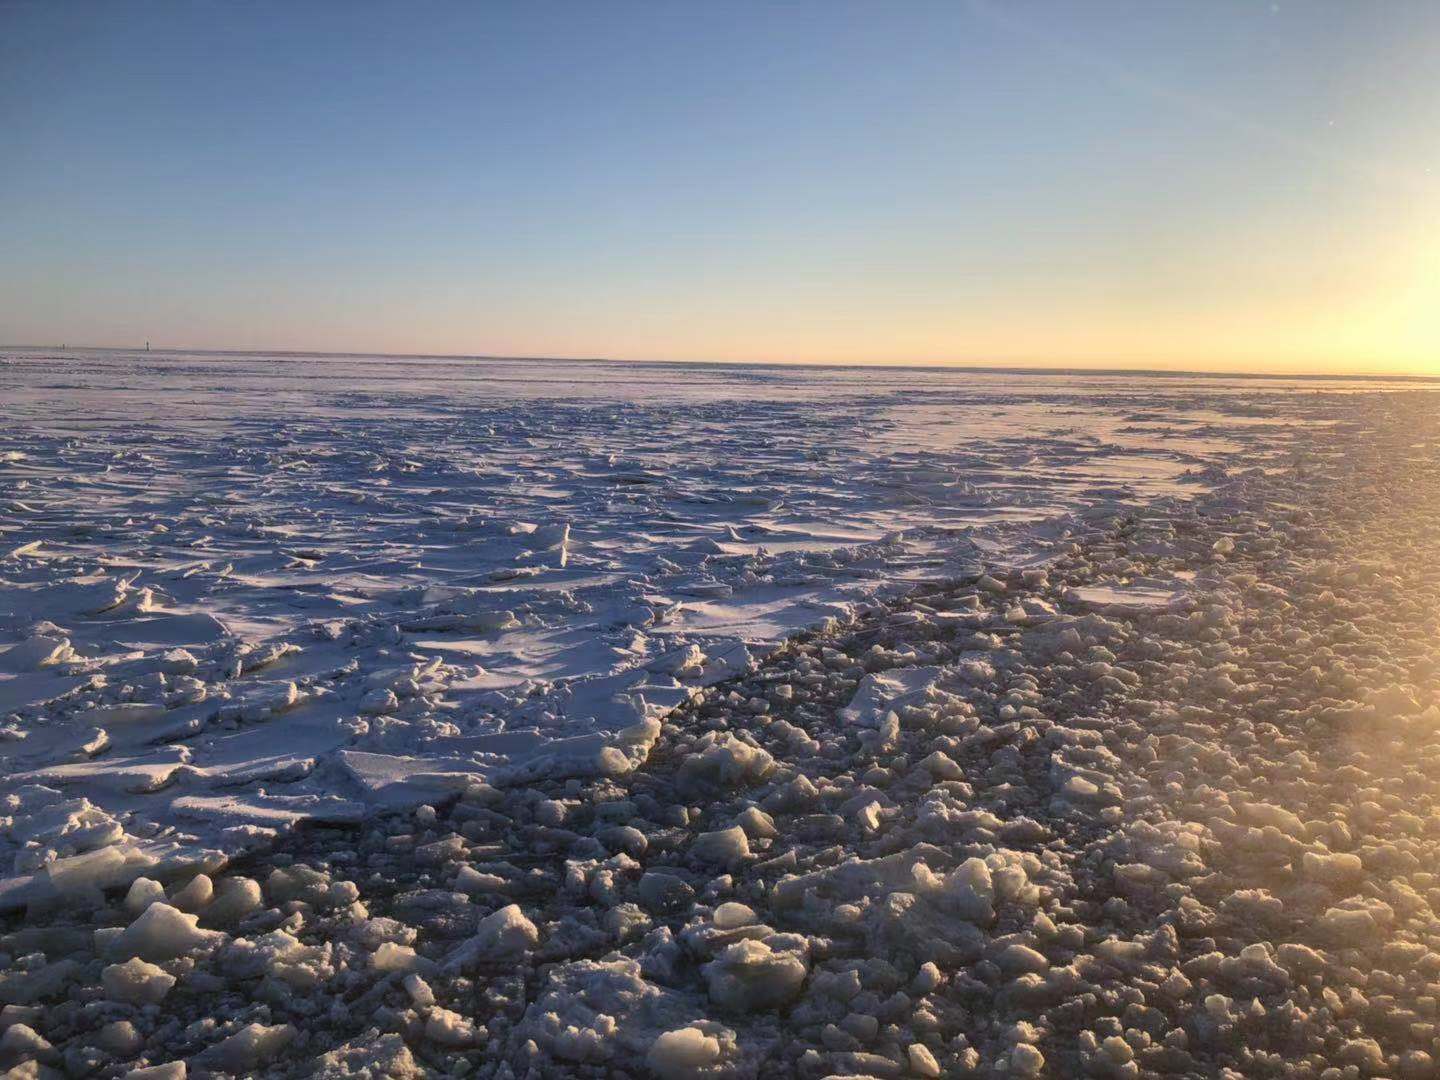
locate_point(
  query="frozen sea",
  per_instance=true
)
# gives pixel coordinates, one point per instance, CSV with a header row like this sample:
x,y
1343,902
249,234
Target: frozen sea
x,y
241,591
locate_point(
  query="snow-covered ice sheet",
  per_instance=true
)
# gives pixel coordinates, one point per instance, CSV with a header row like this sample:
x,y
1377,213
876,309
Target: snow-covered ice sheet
x,y
237,592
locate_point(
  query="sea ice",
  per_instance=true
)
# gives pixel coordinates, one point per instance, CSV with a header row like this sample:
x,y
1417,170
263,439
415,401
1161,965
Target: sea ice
x,y
344,611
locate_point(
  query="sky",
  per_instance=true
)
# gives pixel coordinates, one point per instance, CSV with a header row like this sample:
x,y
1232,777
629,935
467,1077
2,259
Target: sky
x,y
1216,184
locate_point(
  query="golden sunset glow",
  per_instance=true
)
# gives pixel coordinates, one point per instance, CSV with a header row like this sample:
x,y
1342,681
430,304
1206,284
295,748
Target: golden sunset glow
x,y
1234,186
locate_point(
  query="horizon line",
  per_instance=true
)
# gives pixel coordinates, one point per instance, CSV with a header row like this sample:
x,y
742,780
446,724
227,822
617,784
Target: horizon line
x,y
959,365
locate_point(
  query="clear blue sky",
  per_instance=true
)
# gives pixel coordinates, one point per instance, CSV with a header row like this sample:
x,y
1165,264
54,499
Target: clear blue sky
x,y
1220,184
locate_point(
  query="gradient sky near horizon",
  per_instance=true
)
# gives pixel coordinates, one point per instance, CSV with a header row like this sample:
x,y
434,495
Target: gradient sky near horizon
x,y
1218,184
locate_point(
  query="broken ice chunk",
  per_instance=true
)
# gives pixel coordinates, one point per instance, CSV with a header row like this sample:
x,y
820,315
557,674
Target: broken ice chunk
x,y
143,892
162,933
136,982
36,652
752,975
723,846
250,1047
504,935
690,1052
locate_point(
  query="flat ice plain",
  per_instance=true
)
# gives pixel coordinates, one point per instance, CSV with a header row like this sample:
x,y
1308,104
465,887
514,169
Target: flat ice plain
x,y
238,592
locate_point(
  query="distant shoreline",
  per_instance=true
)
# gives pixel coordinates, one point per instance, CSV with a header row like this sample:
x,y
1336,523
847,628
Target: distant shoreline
x,y
991,369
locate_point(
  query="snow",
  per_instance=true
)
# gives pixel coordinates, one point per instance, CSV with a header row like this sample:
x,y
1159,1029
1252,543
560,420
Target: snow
x,y
268,589
1111,756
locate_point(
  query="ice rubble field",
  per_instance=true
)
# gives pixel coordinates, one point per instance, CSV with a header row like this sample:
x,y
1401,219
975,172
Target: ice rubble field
x,y
241,592
1108,754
